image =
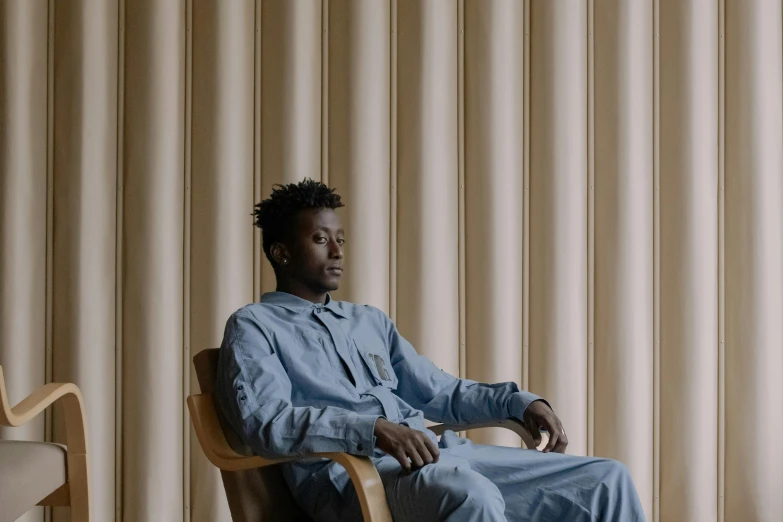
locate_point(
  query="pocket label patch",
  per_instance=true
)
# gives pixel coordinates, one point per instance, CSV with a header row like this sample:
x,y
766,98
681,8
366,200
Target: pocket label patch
x,y
380,365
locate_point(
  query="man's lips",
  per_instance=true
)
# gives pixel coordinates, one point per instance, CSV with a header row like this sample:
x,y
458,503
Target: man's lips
x,y
335,269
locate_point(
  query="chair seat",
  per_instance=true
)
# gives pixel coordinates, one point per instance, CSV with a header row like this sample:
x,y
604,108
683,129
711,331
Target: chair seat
x,y
29,472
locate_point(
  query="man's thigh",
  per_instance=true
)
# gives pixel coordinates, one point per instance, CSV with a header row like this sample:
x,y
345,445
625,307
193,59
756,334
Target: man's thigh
x,y
475,482
551,486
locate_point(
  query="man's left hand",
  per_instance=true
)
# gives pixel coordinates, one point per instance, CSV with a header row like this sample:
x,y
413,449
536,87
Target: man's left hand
x,y
539,416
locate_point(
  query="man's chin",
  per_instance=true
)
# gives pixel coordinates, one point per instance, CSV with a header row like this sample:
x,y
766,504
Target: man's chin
x,y
331,284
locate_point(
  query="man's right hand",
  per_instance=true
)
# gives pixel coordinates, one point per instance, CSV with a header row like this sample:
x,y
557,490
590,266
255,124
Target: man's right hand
x,y
413,449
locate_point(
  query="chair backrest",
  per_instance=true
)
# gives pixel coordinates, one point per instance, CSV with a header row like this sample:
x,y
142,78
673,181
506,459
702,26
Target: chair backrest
x,y
254,495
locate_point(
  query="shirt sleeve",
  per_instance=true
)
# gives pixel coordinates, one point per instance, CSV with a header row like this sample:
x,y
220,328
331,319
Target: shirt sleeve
x,y
448,399
253,392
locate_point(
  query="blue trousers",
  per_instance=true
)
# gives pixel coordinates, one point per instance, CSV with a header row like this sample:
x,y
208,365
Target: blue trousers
x,y
479,483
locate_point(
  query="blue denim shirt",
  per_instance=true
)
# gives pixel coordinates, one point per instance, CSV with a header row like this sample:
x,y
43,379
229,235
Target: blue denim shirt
x,y
296,378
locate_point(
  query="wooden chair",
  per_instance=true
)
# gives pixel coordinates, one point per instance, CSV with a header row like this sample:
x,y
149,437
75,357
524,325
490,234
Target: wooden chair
x,y
255,486
42,473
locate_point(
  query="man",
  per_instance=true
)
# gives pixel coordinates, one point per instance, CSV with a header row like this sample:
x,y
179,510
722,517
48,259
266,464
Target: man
x,y
300,373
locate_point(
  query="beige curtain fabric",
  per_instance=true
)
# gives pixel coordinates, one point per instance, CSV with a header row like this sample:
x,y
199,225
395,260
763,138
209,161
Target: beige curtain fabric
x,y
221,242
583,196
689,256
84,208
493,86
25,234
622,333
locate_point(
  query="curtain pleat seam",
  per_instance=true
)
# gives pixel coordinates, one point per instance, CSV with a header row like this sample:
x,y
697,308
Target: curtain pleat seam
x,y
118,267
49,415
590,228
186,253
721,457
656,508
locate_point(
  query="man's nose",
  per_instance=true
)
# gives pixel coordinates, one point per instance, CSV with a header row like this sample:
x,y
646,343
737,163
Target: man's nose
x,y
336,250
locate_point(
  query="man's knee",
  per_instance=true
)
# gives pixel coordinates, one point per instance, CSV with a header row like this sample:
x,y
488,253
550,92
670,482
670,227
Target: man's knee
x,y
617,498
614,471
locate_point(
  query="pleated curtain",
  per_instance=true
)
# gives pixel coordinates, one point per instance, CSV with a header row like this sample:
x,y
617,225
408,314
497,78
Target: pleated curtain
x,y
582,196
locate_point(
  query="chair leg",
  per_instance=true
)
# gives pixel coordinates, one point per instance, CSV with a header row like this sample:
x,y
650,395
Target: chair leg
x,y
77,479
78,470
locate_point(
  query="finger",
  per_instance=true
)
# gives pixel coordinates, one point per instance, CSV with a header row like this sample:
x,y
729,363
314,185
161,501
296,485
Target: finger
x,y
432,448
416,460
555,429
553,438
562,442
533,429
424,452
551,424
402,458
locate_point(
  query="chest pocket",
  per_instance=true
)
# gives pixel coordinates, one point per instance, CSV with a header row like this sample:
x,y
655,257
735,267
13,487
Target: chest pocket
x,y
377,361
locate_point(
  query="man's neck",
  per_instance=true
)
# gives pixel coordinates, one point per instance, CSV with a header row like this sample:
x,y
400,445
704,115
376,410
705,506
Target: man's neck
x,y
301,291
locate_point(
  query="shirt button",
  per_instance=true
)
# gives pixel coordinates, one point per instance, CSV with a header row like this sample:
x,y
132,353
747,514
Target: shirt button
x,y
360,447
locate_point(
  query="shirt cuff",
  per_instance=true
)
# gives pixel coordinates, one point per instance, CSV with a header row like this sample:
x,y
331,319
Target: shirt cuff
x,y
362,440
520,401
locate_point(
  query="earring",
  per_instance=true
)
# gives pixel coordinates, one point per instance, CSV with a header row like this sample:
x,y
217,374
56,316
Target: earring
x,y
285,261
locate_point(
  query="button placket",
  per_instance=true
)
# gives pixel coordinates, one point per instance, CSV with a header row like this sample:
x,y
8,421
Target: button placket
x,y
339,343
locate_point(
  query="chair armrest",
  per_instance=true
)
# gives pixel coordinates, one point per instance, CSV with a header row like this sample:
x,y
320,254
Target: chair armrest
x,y
365,478
68,396
37,402
512,424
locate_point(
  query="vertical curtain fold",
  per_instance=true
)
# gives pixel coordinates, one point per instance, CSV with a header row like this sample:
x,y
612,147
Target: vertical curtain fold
x,y
428,233
221,255
154,189
85,210
558,213
359,142
754,260
290,98
624,238
689,258
23,199
494,76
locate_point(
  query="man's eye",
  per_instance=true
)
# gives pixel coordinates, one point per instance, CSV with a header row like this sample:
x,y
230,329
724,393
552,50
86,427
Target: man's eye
x,y
321,239
341,241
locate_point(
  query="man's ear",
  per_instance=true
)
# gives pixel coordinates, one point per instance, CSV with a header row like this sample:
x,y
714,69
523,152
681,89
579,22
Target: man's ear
x,y
280,254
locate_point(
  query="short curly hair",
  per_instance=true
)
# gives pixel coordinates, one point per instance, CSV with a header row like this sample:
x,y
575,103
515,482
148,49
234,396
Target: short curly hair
x,y
276,215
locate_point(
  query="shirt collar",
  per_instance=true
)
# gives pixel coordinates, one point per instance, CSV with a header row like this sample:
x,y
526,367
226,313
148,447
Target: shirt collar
x,y
297,304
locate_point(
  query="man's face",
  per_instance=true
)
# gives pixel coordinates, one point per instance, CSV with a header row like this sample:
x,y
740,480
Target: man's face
x,y
316,250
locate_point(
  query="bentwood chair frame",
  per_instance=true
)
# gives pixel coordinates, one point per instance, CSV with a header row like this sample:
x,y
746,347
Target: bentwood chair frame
x,y
74,493
277,505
